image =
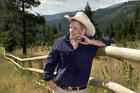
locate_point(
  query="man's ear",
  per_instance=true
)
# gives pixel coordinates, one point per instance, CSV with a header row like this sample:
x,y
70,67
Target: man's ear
x,y
84,31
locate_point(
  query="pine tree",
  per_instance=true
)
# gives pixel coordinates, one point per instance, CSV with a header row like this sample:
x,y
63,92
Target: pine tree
x,y
131,32
137,22
118,33
20,21
89,13
124,30
20,6
52,35
110,31
9,42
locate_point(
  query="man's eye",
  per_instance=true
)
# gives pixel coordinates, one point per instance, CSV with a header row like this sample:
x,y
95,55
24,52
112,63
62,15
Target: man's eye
x,y
75,28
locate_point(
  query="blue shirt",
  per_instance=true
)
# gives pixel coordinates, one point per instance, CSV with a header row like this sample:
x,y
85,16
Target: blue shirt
x,y
73,65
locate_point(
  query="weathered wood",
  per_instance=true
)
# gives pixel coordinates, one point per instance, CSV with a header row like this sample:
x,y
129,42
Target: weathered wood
x,y
41,67
27,59
101,83
97,82
23,64
18,61
41,64
118,88
116,52
120,53
30,65
29,69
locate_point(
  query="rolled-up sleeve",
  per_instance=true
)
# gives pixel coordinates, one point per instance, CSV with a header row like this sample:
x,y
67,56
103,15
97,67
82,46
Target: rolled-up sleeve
x,y
51,63
106,40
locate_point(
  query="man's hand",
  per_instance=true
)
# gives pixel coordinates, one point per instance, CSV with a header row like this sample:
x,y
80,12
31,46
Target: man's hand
x,y
87,41
52,85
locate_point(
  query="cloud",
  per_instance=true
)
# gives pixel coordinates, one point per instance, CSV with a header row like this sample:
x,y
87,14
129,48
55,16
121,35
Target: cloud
x,y
58,0
95,0
95,4
55,2
58,6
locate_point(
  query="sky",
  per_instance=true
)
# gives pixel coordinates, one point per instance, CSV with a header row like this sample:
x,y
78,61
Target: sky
x,y
49,7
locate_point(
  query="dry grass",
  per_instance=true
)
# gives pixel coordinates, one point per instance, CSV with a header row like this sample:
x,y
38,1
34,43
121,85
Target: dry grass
x,y
31,52
114,66
14,80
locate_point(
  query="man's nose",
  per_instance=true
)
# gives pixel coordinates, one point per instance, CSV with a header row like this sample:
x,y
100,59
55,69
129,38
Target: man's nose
x,y
72,30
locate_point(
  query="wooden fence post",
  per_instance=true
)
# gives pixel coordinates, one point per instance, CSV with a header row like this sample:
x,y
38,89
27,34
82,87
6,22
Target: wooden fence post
x,y
41,64
23,64
30,65
41,67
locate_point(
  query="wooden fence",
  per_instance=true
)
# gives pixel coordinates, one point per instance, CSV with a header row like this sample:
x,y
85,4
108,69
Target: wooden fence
x,y
115,52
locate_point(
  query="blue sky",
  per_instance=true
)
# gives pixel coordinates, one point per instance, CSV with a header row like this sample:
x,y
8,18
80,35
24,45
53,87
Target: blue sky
x,y
48,7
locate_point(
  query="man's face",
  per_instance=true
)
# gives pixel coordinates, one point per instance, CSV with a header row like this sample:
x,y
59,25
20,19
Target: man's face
x,y
75,29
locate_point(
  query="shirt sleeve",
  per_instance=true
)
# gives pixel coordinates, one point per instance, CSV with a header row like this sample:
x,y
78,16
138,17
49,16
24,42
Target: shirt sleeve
x,y
51,63
105,40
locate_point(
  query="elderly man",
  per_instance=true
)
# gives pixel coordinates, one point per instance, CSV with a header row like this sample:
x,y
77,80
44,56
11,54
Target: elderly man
x,y
72,55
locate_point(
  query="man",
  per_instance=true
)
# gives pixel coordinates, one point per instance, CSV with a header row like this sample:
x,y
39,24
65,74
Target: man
x,y
72,56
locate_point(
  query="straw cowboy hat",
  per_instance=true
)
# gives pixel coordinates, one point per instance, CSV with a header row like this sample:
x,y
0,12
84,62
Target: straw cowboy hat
x,y
81,17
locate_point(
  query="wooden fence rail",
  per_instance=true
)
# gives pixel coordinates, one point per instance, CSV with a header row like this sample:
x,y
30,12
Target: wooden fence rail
x,y
115,52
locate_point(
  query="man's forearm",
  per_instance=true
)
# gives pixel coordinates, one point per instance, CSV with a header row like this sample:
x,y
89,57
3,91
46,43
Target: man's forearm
x,y
97,43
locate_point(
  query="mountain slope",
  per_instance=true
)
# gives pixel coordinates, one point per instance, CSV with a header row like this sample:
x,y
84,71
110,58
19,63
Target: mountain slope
x,y
103,17
57,16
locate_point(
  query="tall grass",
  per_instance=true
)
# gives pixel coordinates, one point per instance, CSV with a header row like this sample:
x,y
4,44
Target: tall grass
x,y
14,80
130,80
23,79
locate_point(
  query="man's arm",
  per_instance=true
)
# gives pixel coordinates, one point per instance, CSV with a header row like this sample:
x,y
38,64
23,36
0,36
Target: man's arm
x,y
96,42
51,64
88,41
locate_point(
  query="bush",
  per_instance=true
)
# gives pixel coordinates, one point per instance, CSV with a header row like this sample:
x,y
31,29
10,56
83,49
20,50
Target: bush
x,y
9,42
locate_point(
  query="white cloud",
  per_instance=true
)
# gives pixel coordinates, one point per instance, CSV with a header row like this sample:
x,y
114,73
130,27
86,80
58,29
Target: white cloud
x,y
95,4
58,0
55,3
58,6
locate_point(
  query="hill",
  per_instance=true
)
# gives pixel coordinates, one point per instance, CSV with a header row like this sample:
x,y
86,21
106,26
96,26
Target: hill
x,y
103,17
58,16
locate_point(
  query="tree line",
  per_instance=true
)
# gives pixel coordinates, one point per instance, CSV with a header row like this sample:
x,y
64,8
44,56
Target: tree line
x,y
126,31
21,29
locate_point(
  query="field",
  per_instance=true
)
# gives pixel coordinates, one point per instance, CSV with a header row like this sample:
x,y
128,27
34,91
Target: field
x,y
103,67
14,80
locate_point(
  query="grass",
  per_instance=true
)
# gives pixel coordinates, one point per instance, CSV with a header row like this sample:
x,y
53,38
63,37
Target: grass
x,y
110,67
31,52
14,80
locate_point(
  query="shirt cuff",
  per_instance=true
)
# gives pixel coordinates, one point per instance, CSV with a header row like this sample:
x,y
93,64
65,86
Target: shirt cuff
x,y
48,78
107,41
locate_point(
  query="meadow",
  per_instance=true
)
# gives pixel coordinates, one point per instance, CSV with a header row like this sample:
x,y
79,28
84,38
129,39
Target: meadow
x,y
14,80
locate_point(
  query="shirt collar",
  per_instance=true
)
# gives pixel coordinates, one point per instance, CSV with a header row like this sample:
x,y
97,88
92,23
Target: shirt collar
x,y
66,37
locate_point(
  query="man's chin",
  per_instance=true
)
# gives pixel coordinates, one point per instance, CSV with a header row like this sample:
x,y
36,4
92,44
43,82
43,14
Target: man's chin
x,y
72,36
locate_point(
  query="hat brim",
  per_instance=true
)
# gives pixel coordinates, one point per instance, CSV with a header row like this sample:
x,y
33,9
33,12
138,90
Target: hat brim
x,y
89,26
